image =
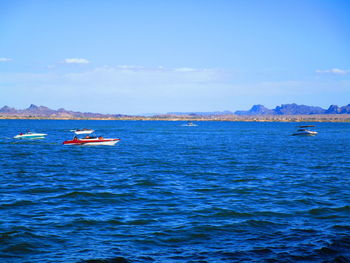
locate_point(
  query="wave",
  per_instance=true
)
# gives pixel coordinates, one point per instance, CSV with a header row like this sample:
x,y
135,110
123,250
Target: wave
x,y
111,260
17,204
330,212
75,195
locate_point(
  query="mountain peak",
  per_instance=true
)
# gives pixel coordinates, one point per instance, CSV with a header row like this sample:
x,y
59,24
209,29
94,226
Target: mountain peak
x,y
7,109
333,109
257,109
32,107
295,109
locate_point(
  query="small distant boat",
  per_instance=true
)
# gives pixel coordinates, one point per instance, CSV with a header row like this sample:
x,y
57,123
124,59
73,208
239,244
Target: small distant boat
x,y
305,132
190,124
30,135
91,140
82,131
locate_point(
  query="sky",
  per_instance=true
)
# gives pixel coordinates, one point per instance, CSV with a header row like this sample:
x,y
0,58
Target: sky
x,y
138,57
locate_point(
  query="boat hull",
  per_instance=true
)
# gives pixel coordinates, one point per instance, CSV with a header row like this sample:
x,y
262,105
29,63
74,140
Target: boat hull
x,y
304,133
92,142
30,136
79,132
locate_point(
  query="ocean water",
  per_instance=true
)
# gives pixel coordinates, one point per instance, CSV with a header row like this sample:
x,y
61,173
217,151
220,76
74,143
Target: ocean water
x,y
218,192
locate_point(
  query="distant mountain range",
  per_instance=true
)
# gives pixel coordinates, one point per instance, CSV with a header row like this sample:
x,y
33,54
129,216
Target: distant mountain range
x,y
294,109
42,111
284,109
210,113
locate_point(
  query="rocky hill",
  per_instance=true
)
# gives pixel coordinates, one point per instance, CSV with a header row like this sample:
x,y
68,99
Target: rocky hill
x,y
334,109
256,110
294,109
210,113
45,112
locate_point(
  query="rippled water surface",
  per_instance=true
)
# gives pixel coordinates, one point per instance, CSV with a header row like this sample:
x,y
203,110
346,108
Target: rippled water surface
x,y
218,192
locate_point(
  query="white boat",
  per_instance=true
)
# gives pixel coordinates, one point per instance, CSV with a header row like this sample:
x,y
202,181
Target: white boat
x,y
88,140
190,124
305,132
82,131
30,135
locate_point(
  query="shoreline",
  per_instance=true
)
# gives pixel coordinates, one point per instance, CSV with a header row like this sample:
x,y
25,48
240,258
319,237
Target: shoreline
x,y
233,118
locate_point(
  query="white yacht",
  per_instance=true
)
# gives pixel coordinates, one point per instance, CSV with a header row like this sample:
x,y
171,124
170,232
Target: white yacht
x,y
190,124
82,131
30,135
305,132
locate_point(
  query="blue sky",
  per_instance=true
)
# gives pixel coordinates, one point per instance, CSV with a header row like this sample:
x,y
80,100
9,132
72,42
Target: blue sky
x,y
151,56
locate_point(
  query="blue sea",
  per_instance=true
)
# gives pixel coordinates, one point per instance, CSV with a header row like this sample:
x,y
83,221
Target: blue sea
x,y
166,193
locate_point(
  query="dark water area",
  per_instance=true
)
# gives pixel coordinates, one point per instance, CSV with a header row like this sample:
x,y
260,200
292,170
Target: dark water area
x,y
218,192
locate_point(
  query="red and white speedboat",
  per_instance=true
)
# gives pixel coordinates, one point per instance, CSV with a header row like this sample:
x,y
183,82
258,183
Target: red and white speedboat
x,y
91,141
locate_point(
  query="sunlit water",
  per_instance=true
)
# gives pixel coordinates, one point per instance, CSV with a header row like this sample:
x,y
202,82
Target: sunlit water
x,y
217,192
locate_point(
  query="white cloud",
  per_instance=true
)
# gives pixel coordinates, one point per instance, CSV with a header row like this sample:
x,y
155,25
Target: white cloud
x,y
5,59
134,76
159,68
76,61
336,71
130,67
185,69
